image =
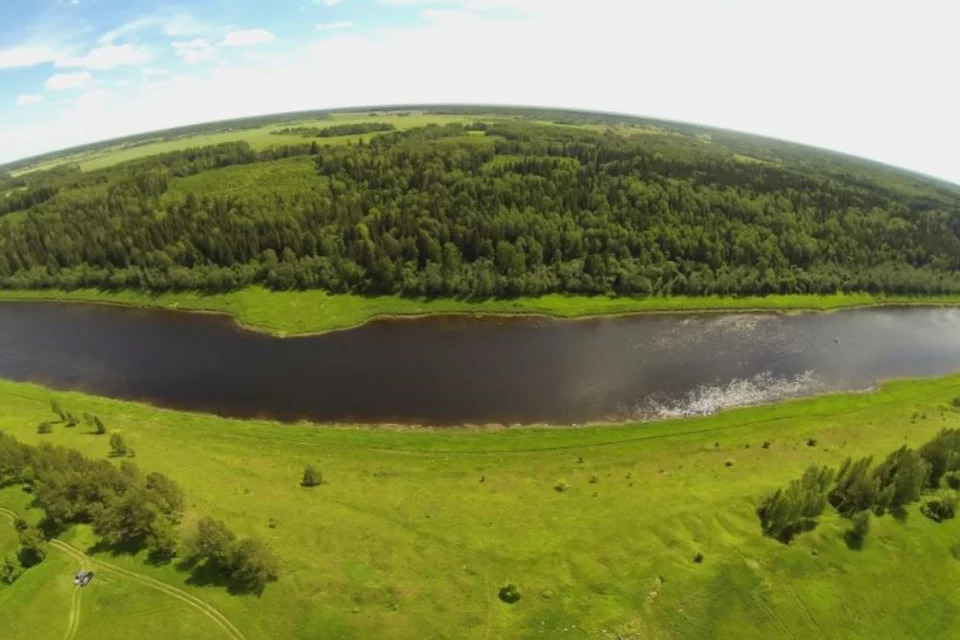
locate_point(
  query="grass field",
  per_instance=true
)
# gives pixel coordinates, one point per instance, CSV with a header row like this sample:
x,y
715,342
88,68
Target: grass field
x,y
416,530
287,313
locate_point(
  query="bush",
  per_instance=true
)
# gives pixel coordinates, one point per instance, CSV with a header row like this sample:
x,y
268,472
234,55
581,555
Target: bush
x,y
698,558
811,442
940,508
509,593
728,462
561,486
766,444
98,427
10,569
311,477
44,428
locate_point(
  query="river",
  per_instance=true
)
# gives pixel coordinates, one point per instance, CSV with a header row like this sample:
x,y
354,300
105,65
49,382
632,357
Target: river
x,y
452,370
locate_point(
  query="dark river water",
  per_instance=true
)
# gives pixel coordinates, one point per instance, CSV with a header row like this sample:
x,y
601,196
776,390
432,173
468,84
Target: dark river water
x,y
455,370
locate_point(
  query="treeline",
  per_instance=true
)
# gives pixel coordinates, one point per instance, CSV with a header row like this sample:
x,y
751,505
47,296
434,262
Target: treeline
x,y
491,209
859,488
128,509
336,130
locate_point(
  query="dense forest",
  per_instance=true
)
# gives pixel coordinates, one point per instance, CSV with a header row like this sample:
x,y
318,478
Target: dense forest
x,y
493,207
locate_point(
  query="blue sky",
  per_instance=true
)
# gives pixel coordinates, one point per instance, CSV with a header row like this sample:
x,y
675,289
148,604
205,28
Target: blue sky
x,y
876,78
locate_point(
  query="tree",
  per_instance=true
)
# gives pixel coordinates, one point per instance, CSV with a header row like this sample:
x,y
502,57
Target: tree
x,y
787,512
213,540
44,428
57,409
71,420
33,547
855,536
118,446
901,478
311,477
855,489
98,426
252,565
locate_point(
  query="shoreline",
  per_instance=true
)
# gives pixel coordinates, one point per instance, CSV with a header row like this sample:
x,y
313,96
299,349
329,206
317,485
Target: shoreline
x,y
301,314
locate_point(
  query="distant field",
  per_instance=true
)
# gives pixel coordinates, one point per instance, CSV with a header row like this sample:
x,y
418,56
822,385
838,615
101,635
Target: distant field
x,y
259,138
415,531
315,311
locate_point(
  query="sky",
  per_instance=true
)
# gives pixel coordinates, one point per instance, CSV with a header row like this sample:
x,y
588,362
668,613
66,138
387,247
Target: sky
x,y
874,78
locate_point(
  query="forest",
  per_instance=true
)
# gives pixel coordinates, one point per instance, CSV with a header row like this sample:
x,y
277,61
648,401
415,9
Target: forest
x,y
493,207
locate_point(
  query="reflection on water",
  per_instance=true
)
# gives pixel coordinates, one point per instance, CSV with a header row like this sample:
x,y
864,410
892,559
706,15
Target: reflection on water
x,y
454,370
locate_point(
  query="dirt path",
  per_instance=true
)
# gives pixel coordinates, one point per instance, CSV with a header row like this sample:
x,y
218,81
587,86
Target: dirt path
x,y
217,617
73,622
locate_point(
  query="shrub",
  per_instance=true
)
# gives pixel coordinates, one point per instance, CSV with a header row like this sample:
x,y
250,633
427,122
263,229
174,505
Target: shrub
x,y
311,477
766,444
10,569
811,442
98,427
44,428
698,558
940,508
561,486
728,462
509,593
956,402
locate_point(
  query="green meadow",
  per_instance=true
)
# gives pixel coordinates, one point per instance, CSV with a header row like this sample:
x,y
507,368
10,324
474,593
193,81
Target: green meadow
x,y
287,313
414,531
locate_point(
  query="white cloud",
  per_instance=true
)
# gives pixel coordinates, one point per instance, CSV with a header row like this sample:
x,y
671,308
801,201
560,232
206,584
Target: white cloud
x,y
65,81
194,51
333,26
26,56
27,99
106,57
329,3
247,37
153,72
177,25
